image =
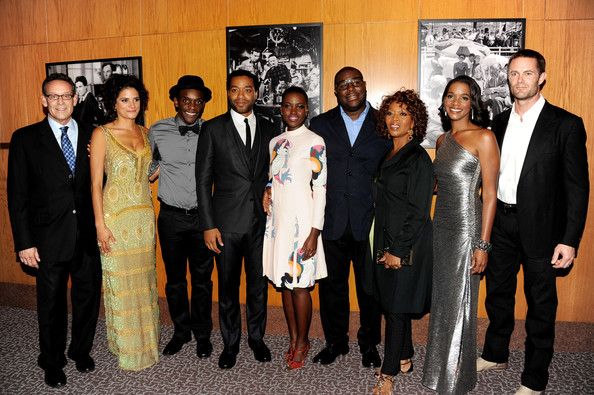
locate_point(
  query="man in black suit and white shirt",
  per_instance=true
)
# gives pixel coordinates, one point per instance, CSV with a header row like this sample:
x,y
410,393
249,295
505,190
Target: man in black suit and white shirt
x,y
49,202
87,109
541,212
233,154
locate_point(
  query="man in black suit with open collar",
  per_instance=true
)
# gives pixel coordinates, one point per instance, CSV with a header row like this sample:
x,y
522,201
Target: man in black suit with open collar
x,y
233,154
49,202
354,151
542,201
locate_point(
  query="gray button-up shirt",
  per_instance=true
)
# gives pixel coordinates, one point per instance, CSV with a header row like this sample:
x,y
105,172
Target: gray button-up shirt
x,y
176,155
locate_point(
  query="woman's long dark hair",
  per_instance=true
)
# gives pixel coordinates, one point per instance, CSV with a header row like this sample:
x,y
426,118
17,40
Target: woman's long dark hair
x,y
479,114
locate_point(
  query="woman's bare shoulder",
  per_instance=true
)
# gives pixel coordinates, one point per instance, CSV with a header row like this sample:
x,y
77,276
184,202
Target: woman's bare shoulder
x,y
485,136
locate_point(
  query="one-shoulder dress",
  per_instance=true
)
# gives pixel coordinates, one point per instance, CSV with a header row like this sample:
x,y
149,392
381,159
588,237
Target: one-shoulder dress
x,y
129,271
450,364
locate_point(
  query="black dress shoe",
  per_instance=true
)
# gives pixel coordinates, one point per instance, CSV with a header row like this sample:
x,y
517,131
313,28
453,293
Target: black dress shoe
x,y
261,351
55,377
371,357
203,348
227,360
330,353
174,345
85,364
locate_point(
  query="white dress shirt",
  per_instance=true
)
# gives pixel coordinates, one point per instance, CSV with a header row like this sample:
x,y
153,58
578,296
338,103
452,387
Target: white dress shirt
x,y
239,122
72,132
513,150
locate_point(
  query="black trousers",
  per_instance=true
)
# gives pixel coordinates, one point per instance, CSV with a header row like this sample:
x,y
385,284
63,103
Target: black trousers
x,y
52,307
182,244
238,247
334,293
540,288
398,342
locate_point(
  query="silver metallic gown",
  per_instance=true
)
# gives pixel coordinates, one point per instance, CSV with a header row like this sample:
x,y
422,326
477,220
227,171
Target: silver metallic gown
x,y
450,364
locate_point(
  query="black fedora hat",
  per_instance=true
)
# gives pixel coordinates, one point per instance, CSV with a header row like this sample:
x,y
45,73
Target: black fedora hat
x,y
190,82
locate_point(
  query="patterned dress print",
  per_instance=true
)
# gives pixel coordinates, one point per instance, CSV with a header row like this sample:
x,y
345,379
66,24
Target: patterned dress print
x,y
129,271
298,172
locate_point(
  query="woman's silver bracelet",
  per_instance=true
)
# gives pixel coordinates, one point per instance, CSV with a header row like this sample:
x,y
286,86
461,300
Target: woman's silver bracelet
x,y
484,246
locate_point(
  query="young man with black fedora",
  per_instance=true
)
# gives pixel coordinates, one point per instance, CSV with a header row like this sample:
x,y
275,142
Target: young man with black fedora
x,y
174,142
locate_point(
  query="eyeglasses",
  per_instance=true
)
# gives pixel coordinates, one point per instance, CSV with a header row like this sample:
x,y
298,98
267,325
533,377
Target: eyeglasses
x,y
54,97
355,82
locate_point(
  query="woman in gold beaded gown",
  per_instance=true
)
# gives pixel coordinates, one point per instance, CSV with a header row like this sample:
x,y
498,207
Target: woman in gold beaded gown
x,y
125,222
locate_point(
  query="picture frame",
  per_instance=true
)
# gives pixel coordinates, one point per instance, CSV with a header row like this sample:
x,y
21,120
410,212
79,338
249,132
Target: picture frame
x,y
479,48
280,56
89,77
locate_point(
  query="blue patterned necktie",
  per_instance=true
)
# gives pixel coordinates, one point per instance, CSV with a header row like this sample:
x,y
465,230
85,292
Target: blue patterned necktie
x,y
67,149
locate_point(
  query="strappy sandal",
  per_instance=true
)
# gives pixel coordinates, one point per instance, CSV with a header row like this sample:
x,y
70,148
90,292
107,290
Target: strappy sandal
x,y
292,364
409,362
384,385
289,355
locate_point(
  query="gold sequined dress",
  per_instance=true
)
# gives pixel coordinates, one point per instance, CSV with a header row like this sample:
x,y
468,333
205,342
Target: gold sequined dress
x,y
129,271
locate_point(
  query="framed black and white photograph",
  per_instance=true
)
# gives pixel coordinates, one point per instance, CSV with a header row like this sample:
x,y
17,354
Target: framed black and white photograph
x,y
280,56
479,48
89,77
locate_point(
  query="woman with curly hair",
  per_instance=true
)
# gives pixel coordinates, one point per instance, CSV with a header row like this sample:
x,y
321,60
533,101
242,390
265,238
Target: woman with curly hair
x,y
467,160
400,263
125,222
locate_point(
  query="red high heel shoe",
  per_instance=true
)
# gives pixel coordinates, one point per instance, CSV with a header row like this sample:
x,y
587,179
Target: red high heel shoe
x,y
289,355
292,364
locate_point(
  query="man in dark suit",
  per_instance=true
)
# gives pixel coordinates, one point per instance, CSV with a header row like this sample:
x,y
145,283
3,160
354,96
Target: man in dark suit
x,y
354,151
87,108
541,212
233,154
49,201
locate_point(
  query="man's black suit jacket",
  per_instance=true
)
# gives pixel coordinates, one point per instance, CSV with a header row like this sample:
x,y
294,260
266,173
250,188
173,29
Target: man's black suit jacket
x,y
47,206
88,111
350,172
553,188
239,180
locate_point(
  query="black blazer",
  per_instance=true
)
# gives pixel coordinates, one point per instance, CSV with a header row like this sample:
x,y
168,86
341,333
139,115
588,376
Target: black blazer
x,y
553,189
403,192
47,205
239,180
350,171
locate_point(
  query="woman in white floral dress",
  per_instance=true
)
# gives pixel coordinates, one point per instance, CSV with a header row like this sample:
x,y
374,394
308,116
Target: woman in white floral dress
x,y
293,253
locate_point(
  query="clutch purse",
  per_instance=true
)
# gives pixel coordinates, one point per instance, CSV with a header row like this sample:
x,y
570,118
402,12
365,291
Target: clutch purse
x,y
407,260
388,240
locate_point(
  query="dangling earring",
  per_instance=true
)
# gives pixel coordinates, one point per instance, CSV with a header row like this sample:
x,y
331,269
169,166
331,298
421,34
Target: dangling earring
x,y
410,135
471,114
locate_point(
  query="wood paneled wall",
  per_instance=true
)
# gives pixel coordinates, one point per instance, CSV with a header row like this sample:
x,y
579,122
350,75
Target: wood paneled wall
x,y
176,37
